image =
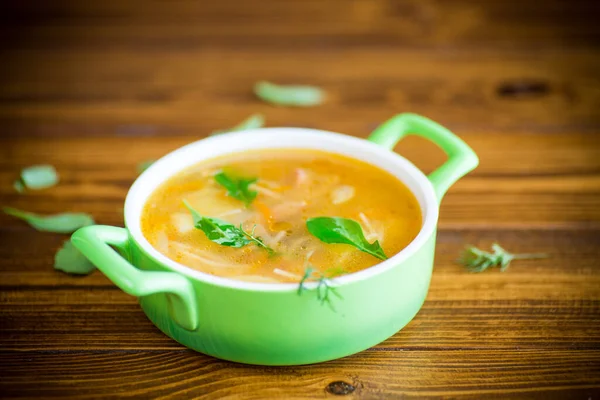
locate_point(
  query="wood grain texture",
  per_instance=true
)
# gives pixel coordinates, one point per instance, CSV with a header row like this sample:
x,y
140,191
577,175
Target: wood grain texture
x,y
551,374
131,93
333,24
96,87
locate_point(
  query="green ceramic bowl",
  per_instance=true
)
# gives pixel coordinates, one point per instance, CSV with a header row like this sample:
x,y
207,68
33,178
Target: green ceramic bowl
x,y
271,324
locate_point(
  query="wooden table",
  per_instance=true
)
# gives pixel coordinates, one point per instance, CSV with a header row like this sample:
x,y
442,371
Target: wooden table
x,y
94,87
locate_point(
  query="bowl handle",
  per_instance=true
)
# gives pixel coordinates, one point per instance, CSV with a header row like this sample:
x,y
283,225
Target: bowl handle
x,y
461,158
93,242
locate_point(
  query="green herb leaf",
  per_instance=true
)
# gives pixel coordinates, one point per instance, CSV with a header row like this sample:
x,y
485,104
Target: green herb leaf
x,y
254,121
224,233
257,240
345,231
70,260
476,260
217,230
36,177
289,95
19,187
144,165
324,287
307,273
237,188
59,223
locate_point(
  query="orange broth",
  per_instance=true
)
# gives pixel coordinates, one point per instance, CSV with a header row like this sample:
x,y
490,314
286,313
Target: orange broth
x,y
292,186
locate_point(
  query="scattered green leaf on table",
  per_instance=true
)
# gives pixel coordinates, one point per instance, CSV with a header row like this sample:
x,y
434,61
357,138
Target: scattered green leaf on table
x,y
19,187
37,177
59,223
476,260
344,231
144,165
223,232
289,95
254,121
237,188
70,260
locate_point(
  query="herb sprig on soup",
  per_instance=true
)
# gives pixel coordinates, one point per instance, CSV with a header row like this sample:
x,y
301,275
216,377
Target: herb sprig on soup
x,y
277,216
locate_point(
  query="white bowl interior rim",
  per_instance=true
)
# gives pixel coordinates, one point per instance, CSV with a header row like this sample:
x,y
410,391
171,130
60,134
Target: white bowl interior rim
x,y
280,138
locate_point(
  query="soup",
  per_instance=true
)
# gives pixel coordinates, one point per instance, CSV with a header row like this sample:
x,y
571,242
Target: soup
x,y
281,215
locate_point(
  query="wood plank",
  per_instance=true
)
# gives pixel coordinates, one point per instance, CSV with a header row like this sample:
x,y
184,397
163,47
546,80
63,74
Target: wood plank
x,y
86,158
102,319
122,92
539,374
335,23
96,87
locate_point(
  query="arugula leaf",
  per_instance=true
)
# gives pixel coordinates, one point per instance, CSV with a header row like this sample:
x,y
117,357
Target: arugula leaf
x,y
217,230
254,121
36,177
70,260
59,223
224,233
289,95
345,231
237,188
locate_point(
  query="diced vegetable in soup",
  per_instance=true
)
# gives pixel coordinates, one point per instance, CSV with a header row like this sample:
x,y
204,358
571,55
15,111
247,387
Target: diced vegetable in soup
x,y
275,216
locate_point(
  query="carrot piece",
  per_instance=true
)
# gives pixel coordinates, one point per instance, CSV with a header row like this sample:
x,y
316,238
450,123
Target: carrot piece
x,y
265,212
